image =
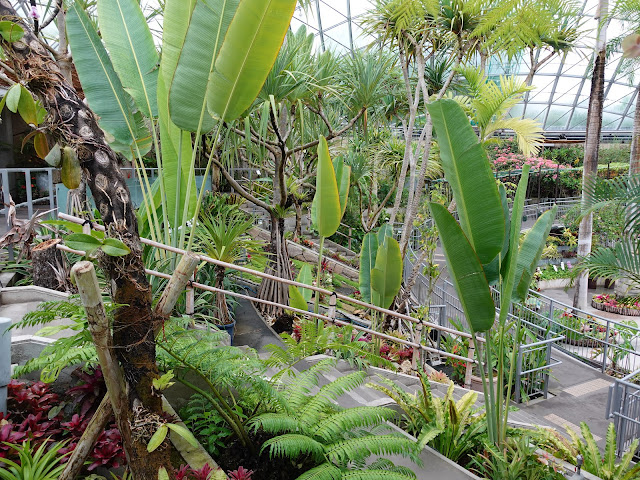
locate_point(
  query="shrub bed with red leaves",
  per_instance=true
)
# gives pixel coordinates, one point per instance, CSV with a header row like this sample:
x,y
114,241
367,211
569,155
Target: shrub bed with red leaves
x,y
38,414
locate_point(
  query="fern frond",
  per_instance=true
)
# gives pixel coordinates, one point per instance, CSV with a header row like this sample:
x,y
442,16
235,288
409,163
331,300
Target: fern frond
x,y
297,391
333,427
591,452
292,445
275,423
355,449
610,448
328,393
623,468
427,434
386,464
326,471
377,475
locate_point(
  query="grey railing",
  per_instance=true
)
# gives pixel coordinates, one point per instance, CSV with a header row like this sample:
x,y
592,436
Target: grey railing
x,y
38,188
534,364
623,406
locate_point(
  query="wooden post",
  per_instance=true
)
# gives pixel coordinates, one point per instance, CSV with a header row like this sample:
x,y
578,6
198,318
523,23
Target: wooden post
x,y
48,265
469,370
87,282
417,338
331,313
191,298
99,421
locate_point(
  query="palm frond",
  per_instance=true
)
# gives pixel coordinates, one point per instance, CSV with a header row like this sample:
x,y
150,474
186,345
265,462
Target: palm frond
x,y
527,131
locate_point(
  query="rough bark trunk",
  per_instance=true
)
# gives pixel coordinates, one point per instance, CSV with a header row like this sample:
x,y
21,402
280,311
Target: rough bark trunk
x,y
298,220
592,142
221,299
72,123
278,265
634,160
49,266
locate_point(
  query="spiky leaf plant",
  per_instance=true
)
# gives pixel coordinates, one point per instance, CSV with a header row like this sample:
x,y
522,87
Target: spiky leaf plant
x,y
452,428
337,441
342,342
603,466
40,463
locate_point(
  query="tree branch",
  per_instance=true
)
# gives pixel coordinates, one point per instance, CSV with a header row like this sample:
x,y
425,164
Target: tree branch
x,y
238,188
331,136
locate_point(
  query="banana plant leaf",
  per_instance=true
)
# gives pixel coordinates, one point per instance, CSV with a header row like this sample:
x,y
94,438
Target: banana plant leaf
x,y
466,271
492,269
190,84
296,300
133,53
467,170
176,162
530,253
368,254
177,17
305,276
250,48
385,231
328,211
100,84
509,265
343,178
386,276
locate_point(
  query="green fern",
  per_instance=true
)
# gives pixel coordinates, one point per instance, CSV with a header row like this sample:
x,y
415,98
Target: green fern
x,y
310,426
75,349
341,342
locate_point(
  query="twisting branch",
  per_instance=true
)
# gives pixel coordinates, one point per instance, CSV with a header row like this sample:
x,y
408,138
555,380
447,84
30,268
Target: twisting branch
x,y
332,135
269,145
238,188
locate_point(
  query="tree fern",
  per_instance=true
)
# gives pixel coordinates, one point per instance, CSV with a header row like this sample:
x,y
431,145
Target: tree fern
x,y
328,394
74,349
333,427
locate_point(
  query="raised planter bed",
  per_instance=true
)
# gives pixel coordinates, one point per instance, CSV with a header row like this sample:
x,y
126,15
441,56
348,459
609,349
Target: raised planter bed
x,y
633,312
555,283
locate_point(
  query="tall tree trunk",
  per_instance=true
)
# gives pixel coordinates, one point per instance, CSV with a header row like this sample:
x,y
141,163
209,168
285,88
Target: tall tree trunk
x,y
278,265
634,160
592,142
133,324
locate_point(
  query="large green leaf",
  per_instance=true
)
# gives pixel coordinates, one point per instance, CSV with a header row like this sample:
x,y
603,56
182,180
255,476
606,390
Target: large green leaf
x,y
327,198
247,55
189,87
343,178
385,231
177,16
367,262
530,253
466,271
176,161
99,81
133,53
468,172
305,276
386,276
509,276
296,300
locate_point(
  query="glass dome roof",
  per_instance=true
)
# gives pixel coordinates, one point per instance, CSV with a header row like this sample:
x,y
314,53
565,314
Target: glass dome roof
x,y
561,97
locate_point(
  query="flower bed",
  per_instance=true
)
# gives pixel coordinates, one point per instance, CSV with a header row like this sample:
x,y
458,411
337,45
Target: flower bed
x,y
613,304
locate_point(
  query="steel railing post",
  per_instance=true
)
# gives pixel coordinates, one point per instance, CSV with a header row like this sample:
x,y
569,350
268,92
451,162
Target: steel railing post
x,y
27,176
605,350
518,374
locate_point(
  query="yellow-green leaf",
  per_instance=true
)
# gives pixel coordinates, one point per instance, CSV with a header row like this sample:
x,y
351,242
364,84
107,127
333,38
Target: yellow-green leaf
x,y
71,171
249,50
327,198
157,438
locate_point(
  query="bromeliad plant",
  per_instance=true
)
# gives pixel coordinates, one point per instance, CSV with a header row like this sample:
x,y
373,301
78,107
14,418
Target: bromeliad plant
x,y
483,250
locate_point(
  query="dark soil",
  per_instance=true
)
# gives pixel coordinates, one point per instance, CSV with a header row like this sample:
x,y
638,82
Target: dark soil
x,y
264,467
283,324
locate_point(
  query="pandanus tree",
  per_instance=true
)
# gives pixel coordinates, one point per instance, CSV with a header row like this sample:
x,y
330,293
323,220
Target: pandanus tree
x,y
484,250
130,82
301,100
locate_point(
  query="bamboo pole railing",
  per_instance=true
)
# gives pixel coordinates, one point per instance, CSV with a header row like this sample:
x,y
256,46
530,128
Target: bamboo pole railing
x,y
414,345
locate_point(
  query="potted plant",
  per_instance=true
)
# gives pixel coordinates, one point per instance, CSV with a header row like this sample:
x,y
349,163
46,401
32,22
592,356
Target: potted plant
x,y
223,235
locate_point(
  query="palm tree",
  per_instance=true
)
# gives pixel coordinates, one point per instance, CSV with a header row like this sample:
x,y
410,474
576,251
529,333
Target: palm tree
x,y
591,144
488,104
622,261
223,235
